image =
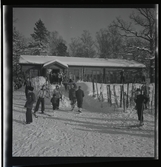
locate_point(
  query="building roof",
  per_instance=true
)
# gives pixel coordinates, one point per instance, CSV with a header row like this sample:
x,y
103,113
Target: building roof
x,y
79,61
57,62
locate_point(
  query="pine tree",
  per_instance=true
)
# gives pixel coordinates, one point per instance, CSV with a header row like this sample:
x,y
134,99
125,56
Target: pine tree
x,y
40,38
61,49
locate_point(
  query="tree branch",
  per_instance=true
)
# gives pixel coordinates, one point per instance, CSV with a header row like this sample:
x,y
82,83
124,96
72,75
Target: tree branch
x,y
127,29
141,48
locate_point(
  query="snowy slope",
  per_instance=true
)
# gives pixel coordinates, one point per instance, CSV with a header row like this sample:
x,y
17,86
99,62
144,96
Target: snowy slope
x,y
95,132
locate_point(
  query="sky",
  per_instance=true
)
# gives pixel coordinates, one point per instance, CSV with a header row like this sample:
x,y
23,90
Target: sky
x,y
68,22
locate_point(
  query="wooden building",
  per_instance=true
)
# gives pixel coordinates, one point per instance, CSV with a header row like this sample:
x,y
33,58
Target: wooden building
x,y
107,70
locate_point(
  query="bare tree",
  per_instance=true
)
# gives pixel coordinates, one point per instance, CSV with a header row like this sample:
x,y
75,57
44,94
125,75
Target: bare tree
x,y
145,18
88,44
76,48
83,46
110,44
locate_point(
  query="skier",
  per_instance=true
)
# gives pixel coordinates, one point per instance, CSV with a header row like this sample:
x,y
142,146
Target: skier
x,y
72,96
29,104
79,96
140,100
41,96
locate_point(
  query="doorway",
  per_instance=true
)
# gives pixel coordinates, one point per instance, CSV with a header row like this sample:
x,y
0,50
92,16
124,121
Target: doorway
x,y
54,76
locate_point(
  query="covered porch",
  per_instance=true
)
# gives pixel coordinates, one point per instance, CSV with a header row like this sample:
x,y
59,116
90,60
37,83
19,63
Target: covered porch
x,y
51,69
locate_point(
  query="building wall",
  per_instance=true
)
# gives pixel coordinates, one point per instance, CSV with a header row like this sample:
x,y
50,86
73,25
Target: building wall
x,y
31,70
101,74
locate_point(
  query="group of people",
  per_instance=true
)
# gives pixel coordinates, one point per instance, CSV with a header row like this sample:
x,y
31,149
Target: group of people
x,y
56,78
74,96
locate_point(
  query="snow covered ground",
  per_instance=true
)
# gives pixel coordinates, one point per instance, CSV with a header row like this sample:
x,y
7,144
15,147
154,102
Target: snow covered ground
x,y
97,131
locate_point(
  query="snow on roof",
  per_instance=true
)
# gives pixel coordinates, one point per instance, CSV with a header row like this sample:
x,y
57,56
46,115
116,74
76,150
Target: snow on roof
x,y
55,62
80,61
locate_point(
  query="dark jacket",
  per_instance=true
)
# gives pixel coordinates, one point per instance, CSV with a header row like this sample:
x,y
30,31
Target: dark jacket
x,y
30,100
79,94
140,100
72,94
53,100
27,83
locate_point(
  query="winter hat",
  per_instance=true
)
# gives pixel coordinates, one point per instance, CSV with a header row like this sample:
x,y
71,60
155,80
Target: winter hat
x,y
30,88
138,90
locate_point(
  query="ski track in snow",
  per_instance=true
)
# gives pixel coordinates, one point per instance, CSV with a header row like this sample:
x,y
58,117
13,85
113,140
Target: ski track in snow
x,y
95,132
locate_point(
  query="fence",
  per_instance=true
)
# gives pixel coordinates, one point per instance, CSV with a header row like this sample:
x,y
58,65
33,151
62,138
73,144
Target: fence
x,y
122,95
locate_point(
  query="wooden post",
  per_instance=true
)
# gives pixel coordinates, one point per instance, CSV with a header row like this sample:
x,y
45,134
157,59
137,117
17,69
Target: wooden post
x,y
123,98
97,89
152,98
120,95
110,95
108,100
115,95
132,89
93,87
127,101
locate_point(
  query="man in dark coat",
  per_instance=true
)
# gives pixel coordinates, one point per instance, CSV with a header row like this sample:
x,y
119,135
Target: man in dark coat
x,y
140,100
79,96
27,85
29,104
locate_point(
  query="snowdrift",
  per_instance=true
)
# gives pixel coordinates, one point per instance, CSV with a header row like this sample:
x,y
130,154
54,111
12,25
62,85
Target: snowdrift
x,y
39,81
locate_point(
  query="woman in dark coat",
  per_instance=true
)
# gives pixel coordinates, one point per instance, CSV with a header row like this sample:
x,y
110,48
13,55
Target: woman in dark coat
x,y
79,96
29,104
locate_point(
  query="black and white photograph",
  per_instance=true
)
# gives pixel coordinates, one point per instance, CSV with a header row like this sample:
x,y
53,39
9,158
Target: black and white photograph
x,y
84,81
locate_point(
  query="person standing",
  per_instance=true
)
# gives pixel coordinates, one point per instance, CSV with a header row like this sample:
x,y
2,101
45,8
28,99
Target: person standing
x,y
60,78
65,82
54,101
58,95
140,100
41,96
79,96
72,96
29,104
27,85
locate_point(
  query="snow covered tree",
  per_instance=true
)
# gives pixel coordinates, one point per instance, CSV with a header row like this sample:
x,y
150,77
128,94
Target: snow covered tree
x,y
109,42
40,38
54,40
19,46
83,46
76,48
61,49
88,44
